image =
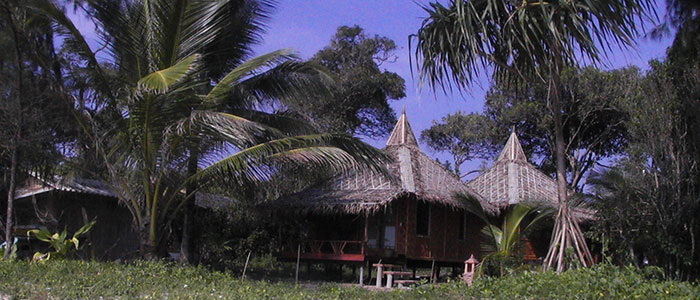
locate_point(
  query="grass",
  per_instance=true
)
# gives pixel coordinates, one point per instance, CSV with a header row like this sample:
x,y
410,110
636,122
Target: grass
x,y
160,280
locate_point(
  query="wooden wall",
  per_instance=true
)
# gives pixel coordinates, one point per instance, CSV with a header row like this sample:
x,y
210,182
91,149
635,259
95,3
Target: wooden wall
x,y
112,236
442,244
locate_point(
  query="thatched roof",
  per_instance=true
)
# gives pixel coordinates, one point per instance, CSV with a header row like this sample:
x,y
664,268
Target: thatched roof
x,y
414,173
512,179
36,185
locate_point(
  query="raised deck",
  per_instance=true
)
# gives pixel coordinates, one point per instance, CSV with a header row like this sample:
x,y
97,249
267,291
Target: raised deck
x,y
338,250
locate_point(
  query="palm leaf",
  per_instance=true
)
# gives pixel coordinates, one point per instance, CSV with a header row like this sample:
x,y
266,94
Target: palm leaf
x,y
161,81
246,69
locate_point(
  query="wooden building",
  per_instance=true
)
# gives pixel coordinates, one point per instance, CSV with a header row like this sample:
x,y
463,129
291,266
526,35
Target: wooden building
x,y
70,203
60,203
410,219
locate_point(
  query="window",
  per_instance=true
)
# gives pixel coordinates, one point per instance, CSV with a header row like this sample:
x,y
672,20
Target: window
x,y
423,218
462,226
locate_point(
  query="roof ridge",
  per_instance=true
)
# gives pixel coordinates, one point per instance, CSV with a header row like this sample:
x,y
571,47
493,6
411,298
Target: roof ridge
x,y
402,133
513,150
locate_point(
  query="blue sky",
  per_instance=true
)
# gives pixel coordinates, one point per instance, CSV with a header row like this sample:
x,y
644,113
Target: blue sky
x,y
307,26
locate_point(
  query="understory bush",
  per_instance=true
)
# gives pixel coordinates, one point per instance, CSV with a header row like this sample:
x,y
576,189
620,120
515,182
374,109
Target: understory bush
x,y
161,280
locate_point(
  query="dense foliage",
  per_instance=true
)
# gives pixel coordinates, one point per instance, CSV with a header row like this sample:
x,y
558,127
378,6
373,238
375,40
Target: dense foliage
x,y
464,136
593,118
359,101
648,204
157,280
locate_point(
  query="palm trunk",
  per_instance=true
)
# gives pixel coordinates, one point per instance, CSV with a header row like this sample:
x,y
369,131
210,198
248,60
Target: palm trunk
x,y
566,231
187,249
147,245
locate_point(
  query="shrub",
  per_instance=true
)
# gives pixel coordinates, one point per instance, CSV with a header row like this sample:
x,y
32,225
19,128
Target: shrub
x,y
69,279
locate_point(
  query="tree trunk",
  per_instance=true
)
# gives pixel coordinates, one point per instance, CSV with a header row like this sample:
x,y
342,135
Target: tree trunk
x,y
187,249
147,245
566,231
14,147
9,224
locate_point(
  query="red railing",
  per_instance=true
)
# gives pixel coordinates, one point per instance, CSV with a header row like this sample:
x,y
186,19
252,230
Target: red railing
x,y
337,247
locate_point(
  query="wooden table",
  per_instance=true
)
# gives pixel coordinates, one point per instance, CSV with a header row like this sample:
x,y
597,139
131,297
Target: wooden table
x,y
380,271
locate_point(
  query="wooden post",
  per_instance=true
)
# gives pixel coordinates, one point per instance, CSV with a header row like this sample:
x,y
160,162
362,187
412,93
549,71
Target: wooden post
x,y
389,280
369,271
340,269
296,276
362,275
433,278
364,241
245,267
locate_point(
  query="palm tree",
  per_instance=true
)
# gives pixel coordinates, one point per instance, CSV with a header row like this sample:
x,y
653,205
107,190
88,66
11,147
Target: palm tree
x,y
519,42
504,232
186,86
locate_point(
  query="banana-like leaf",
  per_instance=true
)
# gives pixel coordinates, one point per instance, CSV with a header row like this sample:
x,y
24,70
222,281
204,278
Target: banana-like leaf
x,y
84,229
75,242
161,81
40,234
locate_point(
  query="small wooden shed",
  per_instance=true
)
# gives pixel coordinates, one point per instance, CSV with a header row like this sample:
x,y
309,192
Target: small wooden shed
x,y
70,202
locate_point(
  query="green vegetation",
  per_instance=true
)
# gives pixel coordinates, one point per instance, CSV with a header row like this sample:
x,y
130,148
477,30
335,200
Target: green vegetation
x,y
158,280
359,101
62,246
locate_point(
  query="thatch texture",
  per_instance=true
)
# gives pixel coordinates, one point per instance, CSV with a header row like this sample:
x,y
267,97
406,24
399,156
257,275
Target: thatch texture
x,y
414,174
36,185
512,179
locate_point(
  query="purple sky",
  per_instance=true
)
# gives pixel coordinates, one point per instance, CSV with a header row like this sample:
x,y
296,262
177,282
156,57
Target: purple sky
x,y
307,26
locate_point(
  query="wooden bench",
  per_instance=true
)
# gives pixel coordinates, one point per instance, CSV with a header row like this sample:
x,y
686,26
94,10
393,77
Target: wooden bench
x,y
390,276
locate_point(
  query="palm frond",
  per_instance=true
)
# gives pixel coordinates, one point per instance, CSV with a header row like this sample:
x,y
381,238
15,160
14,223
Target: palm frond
x,y
260,163
161,81
518,39
223,32
247,69
288,83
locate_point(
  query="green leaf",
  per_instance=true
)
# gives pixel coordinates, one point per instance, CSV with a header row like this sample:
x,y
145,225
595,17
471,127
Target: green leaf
x,y
161,81
247,68
84,229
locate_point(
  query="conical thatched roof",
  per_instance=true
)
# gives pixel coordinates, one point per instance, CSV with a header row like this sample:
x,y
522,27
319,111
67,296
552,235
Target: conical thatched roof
x,y
512,179
414,173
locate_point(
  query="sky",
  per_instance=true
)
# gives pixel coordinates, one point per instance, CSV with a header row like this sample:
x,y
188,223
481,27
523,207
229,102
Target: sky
x,y
307,26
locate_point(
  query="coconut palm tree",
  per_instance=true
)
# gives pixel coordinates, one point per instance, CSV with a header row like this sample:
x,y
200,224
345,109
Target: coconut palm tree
x,y
186,85
520,41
